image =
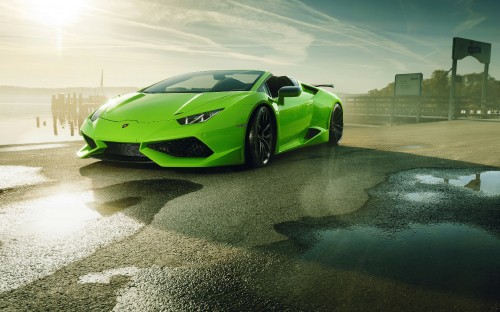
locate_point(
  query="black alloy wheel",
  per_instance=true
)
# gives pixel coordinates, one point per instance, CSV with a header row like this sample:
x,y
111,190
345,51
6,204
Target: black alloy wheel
x,y
336,124
260,138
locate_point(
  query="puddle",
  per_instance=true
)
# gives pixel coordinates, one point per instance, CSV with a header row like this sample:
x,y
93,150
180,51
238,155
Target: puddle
x,y
55,216
30,147
445,257
437,229
114,206
58,215
13,176
487,182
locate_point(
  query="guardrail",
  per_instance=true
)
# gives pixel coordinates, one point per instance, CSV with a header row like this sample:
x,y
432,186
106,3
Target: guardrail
x,y
418,108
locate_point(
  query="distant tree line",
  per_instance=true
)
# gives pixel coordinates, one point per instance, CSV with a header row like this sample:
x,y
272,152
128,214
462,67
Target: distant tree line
x,y
439,85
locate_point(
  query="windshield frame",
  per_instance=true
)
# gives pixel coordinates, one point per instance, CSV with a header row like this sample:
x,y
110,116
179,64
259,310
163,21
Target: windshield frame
x,y
153,89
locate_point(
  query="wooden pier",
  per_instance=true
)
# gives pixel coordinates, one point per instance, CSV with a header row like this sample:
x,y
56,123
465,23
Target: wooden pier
x,y
72,109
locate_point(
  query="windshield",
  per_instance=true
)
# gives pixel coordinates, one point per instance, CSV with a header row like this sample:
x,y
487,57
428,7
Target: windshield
x,y
209,81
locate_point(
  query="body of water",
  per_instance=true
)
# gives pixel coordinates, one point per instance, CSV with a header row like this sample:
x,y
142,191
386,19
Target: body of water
x,y
18,124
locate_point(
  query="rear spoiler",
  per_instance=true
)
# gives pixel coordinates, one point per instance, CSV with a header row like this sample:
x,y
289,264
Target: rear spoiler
x,y
324,85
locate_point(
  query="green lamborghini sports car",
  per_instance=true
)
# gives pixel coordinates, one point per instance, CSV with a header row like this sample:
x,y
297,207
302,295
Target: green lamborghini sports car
x,y
213,118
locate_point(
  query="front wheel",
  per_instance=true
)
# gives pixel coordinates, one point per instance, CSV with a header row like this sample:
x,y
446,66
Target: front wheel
x,y
336,124
260,138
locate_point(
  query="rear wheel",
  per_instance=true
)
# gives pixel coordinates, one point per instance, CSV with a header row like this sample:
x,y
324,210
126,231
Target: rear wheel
x,y
260,138
336,124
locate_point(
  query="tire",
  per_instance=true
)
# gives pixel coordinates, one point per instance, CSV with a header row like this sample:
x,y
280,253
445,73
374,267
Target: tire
x,y
336,124
260,138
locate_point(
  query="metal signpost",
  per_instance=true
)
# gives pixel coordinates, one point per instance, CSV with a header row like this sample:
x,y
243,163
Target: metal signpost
x,y
482,52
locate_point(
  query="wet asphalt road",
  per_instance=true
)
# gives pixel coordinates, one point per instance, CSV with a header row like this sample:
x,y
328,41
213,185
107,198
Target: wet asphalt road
x,y
395,218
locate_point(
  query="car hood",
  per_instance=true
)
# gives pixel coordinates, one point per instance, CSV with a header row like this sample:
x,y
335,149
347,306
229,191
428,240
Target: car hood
x,y
147,107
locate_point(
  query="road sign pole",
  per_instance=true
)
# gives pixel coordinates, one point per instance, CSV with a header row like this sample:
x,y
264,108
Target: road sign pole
x,y
485,88
451,105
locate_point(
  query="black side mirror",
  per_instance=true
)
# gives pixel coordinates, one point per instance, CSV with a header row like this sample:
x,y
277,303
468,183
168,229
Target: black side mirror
x,y
288,91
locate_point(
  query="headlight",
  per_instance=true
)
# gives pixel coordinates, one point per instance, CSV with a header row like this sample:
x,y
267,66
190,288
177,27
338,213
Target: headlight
x,y
198,117
98,112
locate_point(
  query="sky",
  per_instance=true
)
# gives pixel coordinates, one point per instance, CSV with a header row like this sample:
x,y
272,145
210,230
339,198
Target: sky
x,y
357,45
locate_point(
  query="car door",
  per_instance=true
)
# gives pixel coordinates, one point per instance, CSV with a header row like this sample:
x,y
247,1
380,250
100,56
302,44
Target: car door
x,y
295,118
295,113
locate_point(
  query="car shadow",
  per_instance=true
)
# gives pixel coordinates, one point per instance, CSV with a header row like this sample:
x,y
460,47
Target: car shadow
x,y
139,199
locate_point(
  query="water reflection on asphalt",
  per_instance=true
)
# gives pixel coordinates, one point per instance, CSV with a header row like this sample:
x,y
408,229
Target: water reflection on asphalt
x,y
487,182
424,227
55,216
445,257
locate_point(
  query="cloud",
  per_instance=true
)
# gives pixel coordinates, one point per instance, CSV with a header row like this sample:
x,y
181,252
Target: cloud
x,y
331,29
469,23
217,28
472,19
282,33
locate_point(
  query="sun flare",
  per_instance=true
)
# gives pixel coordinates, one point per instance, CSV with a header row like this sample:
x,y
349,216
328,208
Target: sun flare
x,y
58,13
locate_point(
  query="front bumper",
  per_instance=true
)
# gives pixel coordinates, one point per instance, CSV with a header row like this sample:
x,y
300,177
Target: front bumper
x,y
166,143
